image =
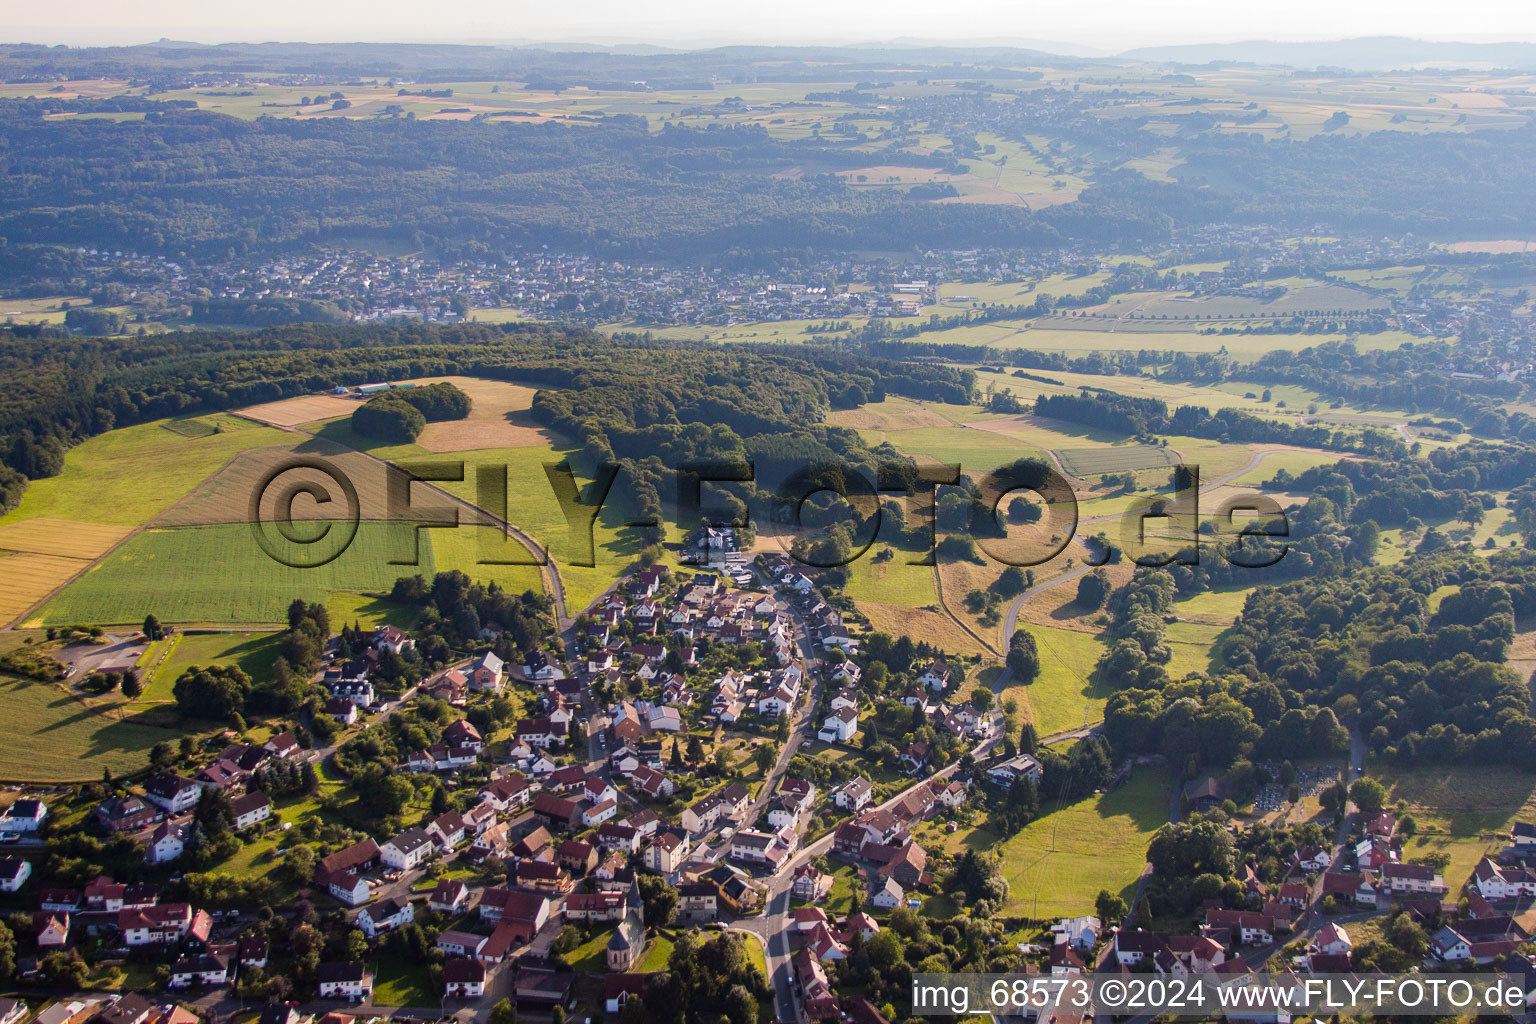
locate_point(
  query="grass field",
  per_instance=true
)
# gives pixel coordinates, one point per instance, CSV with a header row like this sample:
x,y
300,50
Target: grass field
x,y
253,652
369,611
1214,607
1191,643
1058,863
1063,693
403,984
1464,811
218,574
591,957
127,477
656,956
891,580
52,737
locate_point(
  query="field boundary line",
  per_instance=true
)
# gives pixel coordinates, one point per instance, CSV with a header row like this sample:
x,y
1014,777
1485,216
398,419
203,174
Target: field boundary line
x,y
938,580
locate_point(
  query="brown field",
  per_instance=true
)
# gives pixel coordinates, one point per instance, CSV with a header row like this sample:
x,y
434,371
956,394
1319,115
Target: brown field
x,y
290,412
920,624
499,418
30,577
959,579
1499,246
1058,606
896,414
61,537
1475,100
225,497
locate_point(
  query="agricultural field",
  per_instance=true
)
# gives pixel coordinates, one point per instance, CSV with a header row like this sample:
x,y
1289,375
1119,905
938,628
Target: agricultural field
x,y
1084,462
281,470
1305,299
533,507
53,737
219,575
127,477
1057,864
1081,335
499,418
47,309
922,625
290,412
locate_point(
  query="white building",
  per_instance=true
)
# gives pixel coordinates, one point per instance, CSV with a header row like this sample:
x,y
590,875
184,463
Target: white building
x,y
407,850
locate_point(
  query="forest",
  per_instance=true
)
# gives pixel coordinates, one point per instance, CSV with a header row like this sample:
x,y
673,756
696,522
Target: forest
x,y
626,398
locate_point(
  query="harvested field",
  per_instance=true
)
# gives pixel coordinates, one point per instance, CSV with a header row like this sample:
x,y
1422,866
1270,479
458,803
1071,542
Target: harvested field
x,y
226,497
499,418
891,414
1502,245
61,537
31,577
1119,459
290,412
921,625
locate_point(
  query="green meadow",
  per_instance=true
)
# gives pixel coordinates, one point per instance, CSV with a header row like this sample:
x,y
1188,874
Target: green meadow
x,y
219,574
127,477
1057,864
51,736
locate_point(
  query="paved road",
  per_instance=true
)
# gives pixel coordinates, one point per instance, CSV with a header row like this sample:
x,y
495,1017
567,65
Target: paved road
x,y
772,926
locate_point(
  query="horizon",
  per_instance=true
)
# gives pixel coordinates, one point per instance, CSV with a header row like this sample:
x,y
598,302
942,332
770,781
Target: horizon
x,y
1057,26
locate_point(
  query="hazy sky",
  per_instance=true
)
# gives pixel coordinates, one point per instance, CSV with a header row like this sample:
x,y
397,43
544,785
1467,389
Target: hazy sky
x,y
1087,25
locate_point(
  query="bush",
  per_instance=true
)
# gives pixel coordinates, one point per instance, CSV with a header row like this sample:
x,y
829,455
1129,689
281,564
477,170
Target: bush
x,y
389,418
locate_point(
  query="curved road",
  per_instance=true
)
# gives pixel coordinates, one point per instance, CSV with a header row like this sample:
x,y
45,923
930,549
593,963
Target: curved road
x,y
557,585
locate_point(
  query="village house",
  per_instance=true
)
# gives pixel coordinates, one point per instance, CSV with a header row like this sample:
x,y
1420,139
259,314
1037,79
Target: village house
x,y
385,916
251,809
853,794
14,873
668,851
450,896
408,850
24,816
349,981
171,793
840,726
487,672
